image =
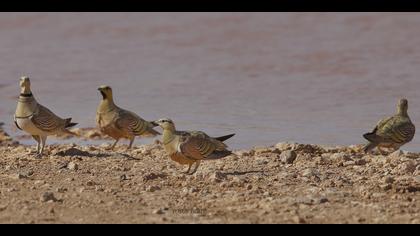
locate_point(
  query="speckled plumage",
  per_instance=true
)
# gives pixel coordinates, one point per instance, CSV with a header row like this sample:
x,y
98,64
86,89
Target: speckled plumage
x,y
191,147
392,132
37,120
119,123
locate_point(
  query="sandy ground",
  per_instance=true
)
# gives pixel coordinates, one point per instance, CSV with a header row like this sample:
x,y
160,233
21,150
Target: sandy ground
x,y
287,183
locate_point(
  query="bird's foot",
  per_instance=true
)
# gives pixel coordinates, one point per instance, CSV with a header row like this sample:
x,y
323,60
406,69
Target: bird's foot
x,y
188,171
32,152
192,172
382,152
197,164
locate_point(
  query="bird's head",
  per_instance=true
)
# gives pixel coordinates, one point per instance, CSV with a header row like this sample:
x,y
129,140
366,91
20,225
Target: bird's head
x,y
403,106
25,82
106,92
166,124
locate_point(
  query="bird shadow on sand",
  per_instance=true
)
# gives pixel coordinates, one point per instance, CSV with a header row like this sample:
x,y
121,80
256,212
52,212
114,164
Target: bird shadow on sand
x,y
72,152
238,173
75,152
124,155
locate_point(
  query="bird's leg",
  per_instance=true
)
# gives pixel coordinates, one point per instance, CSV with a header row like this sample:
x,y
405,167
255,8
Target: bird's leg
x,y
115,144
38,141
381,151
131,143
38,146
189,168
197,164
395,148
43,142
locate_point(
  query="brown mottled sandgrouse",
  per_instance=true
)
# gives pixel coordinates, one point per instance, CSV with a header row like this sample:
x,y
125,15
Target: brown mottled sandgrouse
x,y
37,120
392,132
119,123
188,148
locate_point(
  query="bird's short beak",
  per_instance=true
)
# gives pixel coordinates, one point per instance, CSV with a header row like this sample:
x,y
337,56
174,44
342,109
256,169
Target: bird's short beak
x,y
154,123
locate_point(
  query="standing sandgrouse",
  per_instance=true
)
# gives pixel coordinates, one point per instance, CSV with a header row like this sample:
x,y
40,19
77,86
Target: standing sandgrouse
x,y
119,123
37,120
188,148
392,132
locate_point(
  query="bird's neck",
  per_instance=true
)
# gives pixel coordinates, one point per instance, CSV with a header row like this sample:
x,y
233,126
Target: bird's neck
x,y
27,104
403,112
168,135
106,104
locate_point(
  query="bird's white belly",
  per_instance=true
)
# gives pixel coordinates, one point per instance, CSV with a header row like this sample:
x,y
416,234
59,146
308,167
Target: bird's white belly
x,y
28,126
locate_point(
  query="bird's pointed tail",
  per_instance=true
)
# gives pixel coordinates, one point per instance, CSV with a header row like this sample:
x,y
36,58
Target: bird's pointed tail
x,y
219,155
224,138
69,124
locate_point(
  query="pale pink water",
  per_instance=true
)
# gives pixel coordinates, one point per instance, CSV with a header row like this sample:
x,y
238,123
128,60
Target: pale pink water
x,y
322,78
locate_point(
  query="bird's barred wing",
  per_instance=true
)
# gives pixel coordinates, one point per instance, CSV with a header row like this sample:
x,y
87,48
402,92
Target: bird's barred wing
x,y
398,130
407,131
132,123
46,120
383,122
375,135
198,145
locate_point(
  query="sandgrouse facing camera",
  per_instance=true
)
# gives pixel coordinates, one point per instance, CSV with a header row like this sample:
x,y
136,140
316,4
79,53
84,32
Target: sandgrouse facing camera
x,y
392,132
119,123
191,147
37,120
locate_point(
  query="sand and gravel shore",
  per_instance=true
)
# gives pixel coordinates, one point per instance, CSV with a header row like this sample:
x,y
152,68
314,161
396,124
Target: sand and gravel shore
x,y
285,183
